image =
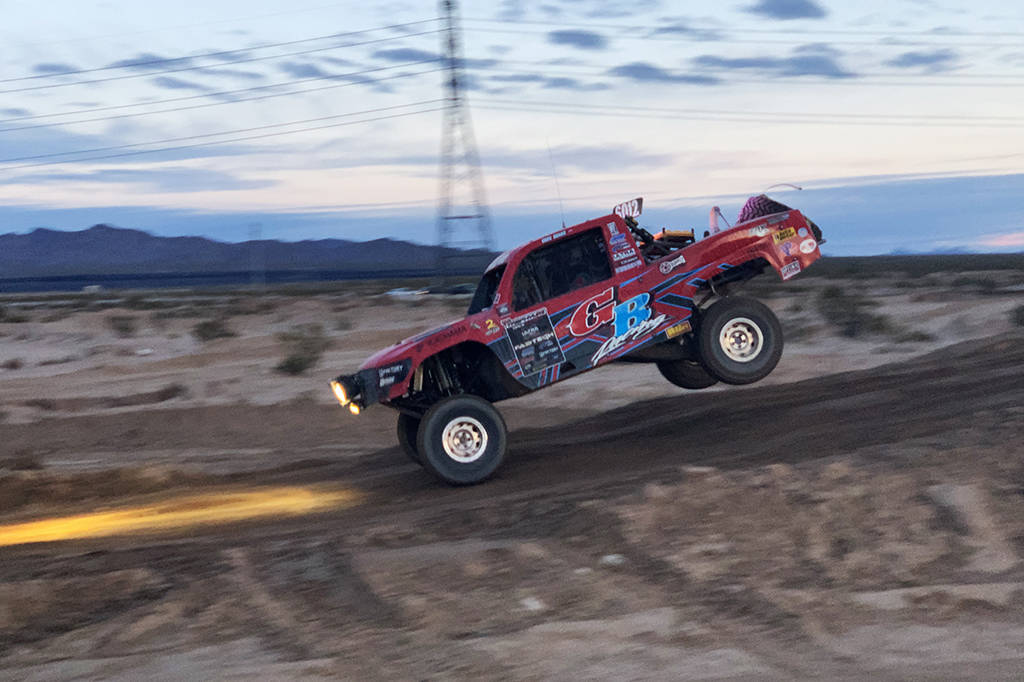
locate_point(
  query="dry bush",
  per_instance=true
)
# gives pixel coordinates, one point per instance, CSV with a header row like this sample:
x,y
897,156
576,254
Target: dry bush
x,y
848,313
13,363
12,318
208,330
1017,316
304,345
124,326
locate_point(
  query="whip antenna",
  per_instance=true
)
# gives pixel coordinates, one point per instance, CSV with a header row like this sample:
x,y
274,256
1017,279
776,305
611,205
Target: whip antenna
x,y
558,191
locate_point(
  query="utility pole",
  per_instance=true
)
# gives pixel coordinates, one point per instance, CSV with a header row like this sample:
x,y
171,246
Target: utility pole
x,y
464,224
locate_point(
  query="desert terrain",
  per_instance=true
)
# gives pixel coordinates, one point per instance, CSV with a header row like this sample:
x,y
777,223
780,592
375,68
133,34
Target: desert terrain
x,y
859,514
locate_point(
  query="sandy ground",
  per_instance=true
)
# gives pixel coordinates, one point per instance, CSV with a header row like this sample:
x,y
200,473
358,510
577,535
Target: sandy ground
x,y
858,514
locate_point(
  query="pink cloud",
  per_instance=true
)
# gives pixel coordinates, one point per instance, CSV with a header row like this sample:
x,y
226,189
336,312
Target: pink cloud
x,y
1003,240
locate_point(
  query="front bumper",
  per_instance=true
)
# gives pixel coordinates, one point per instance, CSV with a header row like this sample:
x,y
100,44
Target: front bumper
x,y
368,386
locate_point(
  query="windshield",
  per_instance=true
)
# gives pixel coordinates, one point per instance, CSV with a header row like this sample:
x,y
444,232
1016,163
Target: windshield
x,y
484,296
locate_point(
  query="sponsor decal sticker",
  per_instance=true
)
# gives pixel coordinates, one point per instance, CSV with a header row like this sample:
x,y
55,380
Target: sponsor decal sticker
x,y
676,330
808,246
492,327
669,266
534,341
802,232
390,374
627,266
556,235
788,248
617,238
613,230
783,235
623,255
790,269
759,230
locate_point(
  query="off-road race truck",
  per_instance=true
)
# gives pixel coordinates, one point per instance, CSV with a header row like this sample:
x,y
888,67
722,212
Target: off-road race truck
x,y
603,291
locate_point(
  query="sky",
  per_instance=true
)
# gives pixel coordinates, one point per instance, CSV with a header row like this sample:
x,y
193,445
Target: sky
x,y
900,121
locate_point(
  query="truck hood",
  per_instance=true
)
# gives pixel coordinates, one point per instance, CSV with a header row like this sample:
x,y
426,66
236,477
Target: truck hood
x,y
403,348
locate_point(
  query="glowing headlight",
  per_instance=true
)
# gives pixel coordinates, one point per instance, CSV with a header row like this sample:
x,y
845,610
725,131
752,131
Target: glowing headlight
x,y
339,392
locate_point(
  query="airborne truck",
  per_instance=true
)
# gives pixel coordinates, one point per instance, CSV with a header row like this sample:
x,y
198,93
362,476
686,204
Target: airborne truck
x,y
606,290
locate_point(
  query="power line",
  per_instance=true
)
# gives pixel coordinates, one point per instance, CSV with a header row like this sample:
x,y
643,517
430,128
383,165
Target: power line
x,y
179,27
670,75
206,135
219,65
604,69
782,31
237,139
732,117
756,41
220,93
687,111
135,65
233,101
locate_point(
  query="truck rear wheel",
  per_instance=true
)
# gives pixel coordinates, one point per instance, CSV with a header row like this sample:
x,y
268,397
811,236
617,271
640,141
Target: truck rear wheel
x,y
686,374
462,439
740,340
408,428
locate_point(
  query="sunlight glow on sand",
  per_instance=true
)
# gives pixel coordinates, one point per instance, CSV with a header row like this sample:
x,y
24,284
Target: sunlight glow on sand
x,y
182,512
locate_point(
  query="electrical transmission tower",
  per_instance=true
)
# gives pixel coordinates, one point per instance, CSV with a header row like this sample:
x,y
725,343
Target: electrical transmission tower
x,y
463,221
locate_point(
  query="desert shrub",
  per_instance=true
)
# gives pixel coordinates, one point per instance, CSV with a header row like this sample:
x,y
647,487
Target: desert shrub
x,y
1017,316
982,284
848,313
58,361
208,330
304,344
13,363
912,336
12,318
123,325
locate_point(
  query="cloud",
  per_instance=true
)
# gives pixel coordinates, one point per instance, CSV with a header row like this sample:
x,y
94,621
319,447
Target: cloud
x,y
578,158
807,60
304,70
643,72
934,60
15,111
406,54
148,61
562,83
232,73
171,83
170,179
787,9
1005,240
679,28
53,67
584,40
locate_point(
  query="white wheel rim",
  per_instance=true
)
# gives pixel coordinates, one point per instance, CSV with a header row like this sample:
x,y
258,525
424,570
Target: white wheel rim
x,y
464,439
741,339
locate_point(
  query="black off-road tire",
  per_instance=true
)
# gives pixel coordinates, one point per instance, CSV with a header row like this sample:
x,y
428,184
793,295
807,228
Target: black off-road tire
x,y
462,439
739,340
408,429
686,374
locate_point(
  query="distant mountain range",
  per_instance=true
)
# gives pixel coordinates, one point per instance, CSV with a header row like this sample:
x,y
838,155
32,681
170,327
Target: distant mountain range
x,y
103,249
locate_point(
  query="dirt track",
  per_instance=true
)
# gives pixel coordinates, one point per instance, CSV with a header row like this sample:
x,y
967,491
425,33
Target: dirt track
x,y
861,524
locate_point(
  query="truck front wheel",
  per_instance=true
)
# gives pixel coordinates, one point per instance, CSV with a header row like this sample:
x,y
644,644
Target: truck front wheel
x,y
740,340
462,439
686,374
408,429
